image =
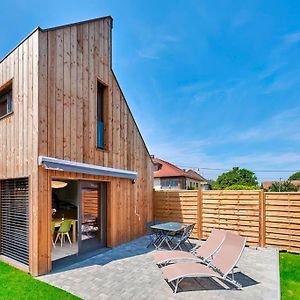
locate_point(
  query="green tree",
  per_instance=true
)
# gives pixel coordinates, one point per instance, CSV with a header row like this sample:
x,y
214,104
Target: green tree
x,y
243,187
285,186
236,177
211,183
295,176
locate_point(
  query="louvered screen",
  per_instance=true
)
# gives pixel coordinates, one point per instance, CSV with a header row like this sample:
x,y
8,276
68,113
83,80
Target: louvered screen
x,y
14,203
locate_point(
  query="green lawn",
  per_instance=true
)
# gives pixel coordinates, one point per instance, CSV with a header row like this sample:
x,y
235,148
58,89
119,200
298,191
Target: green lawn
x,y
15,284
290,276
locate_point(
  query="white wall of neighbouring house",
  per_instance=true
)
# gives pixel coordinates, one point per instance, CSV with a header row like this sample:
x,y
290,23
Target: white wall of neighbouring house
x,y
156,184
192,183
196,184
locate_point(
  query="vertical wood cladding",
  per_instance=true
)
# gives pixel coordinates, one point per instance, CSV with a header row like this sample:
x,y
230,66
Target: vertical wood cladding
x,y
72,59
54,74
19,130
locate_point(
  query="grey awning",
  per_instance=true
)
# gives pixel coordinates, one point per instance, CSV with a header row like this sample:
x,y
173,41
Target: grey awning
x,y
51,163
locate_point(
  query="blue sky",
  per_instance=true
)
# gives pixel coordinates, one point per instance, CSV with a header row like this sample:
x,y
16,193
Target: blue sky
x,y
212,84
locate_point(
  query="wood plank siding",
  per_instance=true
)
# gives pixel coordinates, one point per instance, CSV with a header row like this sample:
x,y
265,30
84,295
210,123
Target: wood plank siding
x,y
55,75
19,130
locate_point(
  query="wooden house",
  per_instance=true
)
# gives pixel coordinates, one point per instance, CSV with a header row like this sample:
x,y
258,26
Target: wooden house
x,y
69,148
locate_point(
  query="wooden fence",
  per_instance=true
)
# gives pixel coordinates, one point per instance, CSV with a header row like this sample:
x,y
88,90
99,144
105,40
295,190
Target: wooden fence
x,y
181,206
266,219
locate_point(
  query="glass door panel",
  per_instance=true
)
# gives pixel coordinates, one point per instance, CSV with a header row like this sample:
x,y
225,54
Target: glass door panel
x,y
92,216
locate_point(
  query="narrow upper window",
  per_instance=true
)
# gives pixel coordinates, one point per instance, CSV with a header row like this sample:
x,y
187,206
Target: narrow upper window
x,y
6,105
100,115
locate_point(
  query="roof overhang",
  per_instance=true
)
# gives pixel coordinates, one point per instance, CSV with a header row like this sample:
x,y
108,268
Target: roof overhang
x,y
56,164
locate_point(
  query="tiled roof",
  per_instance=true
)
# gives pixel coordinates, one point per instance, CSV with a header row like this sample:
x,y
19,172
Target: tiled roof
x,y
196,175
169,170
267,184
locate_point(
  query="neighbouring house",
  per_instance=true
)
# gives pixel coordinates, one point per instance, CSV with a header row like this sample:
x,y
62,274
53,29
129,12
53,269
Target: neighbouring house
x,y
169,176
268,184
70,149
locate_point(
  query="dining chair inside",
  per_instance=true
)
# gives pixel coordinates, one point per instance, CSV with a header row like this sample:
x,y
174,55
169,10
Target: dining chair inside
x,y
63,232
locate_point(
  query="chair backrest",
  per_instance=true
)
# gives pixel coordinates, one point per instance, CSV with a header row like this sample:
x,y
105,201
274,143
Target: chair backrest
x,y
229,253
65,226
187,232
149,224
189,229
185,235
212,244
52,227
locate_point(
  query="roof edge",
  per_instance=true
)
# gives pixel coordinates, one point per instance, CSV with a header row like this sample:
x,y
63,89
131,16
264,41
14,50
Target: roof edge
x,y
20,43
53,28
134,121
77,23
184,173
183,176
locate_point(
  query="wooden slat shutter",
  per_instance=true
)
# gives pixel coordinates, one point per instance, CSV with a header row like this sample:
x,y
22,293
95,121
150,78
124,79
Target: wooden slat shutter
x,y
14,217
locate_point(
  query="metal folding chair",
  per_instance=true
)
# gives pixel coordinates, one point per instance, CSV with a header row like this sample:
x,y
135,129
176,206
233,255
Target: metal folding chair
x,y
155,237
163,238
184,237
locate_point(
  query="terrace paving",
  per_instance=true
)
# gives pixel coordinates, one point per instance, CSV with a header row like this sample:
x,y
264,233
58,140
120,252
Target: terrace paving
x,y
129,272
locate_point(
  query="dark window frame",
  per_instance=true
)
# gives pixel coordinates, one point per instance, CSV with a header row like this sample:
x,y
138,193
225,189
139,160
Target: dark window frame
x,y
169,182
101,115
7,89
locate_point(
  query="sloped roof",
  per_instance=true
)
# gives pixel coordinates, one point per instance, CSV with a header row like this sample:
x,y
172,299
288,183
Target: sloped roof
x,y
196,175
169,170
267,184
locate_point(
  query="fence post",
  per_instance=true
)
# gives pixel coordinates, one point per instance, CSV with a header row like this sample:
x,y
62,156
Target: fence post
x,y
199,214
153,205
262,218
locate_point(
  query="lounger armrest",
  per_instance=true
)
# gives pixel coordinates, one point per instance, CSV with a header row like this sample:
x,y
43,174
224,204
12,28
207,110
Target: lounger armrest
x,y
215,269
194,249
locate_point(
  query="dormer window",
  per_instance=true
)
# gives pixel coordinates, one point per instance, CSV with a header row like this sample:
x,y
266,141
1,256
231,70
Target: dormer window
x,y
6,101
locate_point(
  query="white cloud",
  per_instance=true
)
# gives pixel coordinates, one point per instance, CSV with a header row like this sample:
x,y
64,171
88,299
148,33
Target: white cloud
x,y
292,38
283,126
195,152
148,53
154,48
241,19
269,159
192,155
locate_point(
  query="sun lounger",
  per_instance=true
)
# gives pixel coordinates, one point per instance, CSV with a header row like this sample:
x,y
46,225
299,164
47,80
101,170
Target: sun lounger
x,y
202,253
221,266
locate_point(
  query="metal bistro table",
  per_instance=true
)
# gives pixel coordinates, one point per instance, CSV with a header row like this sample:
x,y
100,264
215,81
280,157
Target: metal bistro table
x,y
165,229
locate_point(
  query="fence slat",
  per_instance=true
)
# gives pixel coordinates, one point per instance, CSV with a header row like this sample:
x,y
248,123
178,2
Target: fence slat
x,y
266,219
180,206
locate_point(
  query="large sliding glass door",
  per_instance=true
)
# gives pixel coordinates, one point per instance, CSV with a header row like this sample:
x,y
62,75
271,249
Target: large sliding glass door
x,y
80,208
